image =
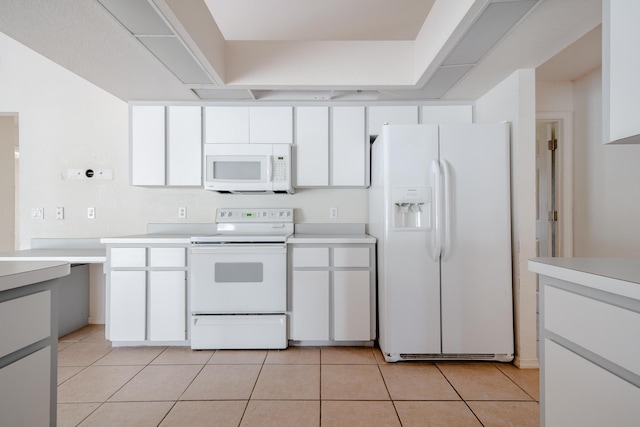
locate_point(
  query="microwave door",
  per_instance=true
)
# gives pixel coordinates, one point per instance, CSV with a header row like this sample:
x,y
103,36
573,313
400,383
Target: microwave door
x,y
238,173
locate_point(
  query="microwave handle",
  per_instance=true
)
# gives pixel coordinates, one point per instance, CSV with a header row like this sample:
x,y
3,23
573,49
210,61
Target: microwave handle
x,y
269,168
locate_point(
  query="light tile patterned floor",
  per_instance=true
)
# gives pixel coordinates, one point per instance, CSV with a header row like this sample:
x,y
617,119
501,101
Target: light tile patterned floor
x,y
302,386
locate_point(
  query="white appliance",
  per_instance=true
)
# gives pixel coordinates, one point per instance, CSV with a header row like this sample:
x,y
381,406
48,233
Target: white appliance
x,y
440,209
248,168
238,280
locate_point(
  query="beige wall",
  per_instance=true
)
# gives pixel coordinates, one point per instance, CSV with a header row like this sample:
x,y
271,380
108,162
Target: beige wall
x,y
66,122
8,143
513,100
606,181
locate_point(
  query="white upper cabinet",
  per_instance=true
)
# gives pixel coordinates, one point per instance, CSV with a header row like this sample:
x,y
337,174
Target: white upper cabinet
x,y
166,145
312,147
147,145
446,114
396,115
620,70
184,146
244,125
271,125
227,125
350,154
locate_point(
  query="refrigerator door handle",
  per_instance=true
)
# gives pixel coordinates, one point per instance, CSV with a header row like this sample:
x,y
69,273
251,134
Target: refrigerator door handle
x,y
436,241
447,220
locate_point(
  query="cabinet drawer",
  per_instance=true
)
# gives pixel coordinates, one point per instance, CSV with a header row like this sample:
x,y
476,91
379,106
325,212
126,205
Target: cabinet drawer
x,y
351,257
167,257
128,257
311,257
24,321
594,325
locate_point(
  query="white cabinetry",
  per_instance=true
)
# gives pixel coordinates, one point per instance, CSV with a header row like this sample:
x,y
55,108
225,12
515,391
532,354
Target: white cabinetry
x,y
312,147
146,291
332,148
332,293
589,335
166,145
244,125
350,154
620,68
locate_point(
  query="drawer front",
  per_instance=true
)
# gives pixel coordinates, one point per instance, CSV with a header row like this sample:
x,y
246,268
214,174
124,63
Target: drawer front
x,y
24,321
595,325
167,257
311,257
128,257
351,257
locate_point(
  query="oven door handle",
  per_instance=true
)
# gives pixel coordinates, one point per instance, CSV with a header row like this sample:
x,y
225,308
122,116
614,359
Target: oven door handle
x,y
238,248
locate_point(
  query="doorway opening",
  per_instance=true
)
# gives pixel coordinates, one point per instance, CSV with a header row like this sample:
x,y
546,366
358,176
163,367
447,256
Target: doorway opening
x,y
554,186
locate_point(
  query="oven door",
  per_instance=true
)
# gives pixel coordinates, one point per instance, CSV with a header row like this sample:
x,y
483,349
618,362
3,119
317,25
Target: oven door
x,y
238,278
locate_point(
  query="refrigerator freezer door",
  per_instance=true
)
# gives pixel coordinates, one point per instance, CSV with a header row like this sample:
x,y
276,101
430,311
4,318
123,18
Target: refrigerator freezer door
x,y
408,276
476,271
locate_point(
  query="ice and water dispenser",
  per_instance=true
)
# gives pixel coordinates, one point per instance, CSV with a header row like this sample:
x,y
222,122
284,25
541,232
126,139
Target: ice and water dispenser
x,y
412,208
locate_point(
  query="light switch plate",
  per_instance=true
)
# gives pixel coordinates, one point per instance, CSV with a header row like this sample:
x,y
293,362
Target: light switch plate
x,y
91,213
37,213
59,213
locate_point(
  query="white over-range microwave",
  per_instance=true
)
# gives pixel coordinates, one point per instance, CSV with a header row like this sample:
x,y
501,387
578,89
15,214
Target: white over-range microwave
x,y
248,168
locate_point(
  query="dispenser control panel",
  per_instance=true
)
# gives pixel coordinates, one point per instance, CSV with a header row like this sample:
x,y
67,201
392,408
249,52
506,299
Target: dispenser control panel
x,y
412,208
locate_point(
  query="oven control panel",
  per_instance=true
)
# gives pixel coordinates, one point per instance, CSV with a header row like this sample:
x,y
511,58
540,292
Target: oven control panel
x,y
254,215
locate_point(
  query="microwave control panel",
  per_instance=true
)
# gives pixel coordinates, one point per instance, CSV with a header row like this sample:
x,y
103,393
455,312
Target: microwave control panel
x,y
280,168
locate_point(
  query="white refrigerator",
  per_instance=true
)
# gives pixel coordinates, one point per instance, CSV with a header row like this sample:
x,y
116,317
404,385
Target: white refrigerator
x,y
439,206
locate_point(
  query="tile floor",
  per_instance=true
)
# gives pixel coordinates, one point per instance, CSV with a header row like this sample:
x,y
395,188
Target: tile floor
x,y
302,386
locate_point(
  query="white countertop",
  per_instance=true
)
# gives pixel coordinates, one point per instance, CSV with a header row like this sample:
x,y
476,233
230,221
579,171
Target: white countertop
x,y
15,274
331,238
616,275
74,256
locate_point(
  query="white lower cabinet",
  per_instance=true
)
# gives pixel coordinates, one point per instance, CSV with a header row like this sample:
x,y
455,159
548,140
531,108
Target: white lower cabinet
x,y
331,299
147,296
128,301
167,301
351,306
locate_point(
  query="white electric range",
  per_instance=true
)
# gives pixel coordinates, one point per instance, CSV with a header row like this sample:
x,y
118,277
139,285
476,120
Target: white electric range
x,y
238,281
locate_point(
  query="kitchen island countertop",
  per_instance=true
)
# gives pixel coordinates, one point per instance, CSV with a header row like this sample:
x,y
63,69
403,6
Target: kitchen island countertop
x,y
15,274
616,275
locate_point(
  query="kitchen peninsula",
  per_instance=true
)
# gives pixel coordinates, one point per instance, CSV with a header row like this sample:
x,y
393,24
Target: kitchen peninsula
x,y
29,341
589,340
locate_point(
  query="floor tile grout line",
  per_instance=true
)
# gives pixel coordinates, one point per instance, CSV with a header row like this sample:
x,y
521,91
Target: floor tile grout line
x,y
515,382
459,395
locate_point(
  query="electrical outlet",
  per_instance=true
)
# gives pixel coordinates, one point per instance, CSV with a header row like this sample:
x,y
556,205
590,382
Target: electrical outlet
x,y
182,212
333,213
59,213
37,213
91,213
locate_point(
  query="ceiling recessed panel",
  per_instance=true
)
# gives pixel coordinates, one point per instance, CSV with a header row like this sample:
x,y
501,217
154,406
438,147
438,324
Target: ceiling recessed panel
x,y
319,20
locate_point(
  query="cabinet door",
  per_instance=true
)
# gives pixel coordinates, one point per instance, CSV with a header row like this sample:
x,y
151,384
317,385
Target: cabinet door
x,y
271,125
147,145
167,257
25,391
227,125
312,146
128,257
351,306
184,146
351,257
349,156
310,306
167,306
378,116
127,306
578,392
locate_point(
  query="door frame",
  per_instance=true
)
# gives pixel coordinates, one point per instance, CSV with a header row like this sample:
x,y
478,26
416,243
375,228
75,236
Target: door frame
x,y
564,190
